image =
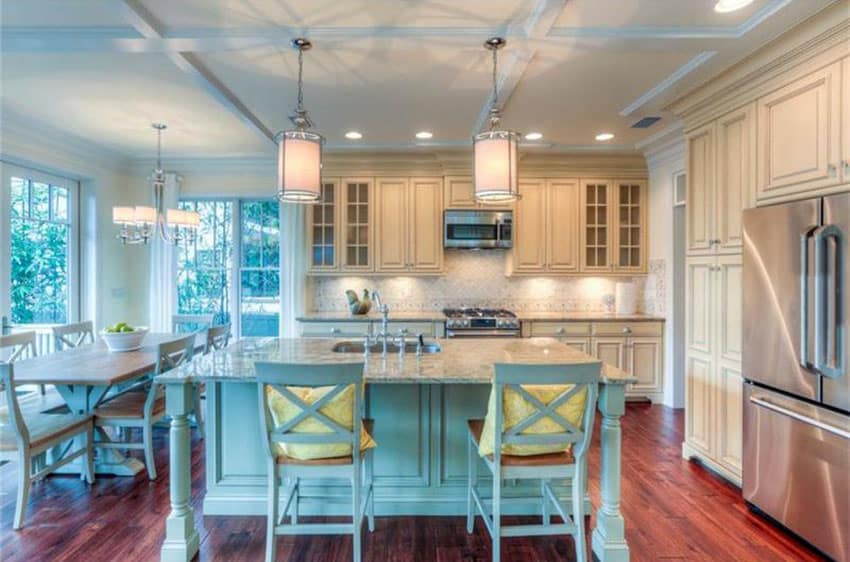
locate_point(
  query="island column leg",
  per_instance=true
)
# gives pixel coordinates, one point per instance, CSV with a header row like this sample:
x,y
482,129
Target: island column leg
x,y
609,537
181,538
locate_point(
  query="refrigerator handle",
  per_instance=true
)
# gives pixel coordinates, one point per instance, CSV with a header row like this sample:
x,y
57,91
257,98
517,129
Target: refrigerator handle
x,y
805,274
829,361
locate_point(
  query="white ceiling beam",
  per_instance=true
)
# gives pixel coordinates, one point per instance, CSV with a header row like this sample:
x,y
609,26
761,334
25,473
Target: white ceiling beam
x,y
535,27
149,27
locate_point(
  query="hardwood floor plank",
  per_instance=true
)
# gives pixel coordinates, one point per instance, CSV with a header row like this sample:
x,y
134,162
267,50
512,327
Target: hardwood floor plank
x,y
675,510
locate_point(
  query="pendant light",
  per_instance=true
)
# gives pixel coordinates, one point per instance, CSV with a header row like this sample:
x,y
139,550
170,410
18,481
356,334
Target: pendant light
x,y
495,150
299,151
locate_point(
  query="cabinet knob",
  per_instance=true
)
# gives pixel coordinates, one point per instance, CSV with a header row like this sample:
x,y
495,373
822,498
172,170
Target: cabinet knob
x,y
335,330
627,330
831,169
562,331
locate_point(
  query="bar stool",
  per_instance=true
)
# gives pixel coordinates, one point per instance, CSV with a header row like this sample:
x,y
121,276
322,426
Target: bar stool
x,y
532,426
313,439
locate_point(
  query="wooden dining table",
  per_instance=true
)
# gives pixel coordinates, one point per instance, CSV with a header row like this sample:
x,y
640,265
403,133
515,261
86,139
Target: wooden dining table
x,y
85,374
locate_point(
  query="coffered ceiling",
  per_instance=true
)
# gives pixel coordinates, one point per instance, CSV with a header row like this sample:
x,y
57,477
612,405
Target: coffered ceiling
x,y
221,73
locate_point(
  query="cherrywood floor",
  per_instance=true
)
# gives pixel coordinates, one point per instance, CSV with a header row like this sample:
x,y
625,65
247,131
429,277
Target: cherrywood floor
x,y
674,510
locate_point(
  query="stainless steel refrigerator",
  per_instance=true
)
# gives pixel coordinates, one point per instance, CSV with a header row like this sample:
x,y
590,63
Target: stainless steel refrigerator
x,y
796,356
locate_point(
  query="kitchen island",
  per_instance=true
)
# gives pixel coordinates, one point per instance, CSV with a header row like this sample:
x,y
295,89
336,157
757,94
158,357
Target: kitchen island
x,y
420,405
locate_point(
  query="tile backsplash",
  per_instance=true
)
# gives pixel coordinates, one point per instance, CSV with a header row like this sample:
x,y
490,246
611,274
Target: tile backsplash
x,y
478,279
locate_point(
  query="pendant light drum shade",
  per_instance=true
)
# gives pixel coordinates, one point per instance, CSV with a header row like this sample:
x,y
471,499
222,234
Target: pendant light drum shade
x,y
299,166
495,166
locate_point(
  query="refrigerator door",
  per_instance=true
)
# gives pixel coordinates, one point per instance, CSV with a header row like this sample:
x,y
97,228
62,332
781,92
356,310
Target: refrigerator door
x,y
836,383
797,467
779,330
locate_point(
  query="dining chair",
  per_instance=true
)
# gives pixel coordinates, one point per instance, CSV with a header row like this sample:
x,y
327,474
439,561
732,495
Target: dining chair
x,y
15,347
69,336
331,381
27,434
185,323
218,337
570,441
144,405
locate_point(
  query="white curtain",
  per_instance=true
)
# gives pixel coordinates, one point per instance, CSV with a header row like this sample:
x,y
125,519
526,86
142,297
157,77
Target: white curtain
x,y
293,267
163,270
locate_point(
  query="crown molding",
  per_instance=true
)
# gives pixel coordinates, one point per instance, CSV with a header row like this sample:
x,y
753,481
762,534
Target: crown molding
x,y
817,41
28,142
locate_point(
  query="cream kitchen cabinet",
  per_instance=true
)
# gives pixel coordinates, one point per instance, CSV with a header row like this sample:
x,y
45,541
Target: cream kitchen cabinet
x,y
721,180
713,389
574,334
845,120
459,193
546,227
613,225
799,136
340,227
409,225
357,329
341,329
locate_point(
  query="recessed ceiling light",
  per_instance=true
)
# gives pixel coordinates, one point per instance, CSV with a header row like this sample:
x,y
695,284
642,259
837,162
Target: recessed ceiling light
x,y
604,136
354,135
424,135
725,6
534,136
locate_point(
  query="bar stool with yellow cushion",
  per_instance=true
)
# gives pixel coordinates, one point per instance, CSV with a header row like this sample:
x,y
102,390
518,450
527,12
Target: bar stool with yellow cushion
x,y
143,405
310,416
538,427
26,434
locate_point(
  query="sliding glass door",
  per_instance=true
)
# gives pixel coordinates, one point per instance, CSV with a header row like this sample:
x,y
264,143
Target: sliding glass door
x,y
233,268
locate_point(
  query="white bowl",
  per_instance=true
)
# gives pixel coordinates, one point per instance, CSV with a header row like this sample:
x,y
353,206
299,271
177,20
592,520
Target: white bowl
x,y
124,341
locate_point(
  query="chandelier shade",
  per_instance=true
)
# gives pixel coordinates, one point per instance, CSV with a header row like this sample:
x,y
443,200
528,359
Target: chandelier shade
x,y
299,166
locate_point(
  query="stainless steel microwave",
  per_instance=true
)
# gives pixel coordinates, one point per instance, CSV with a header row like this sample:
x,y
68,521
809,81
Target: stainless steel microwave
x,y
477,229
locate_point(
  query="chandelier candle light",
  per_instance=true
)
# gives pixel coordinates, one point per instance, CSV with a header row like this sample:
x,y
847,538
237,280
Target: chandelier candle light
x,y
495,150
140,224
299,151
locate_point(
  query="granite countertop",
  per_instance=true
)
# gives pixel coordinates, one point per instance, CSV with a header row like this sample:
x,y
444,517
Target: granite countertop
x,y
460,361
577,316
438,316
373,316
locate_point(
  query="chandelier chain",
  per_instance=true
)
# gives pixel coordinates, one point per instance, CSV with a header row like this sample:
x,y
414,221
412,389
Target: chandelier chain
x,y
495,89
300,81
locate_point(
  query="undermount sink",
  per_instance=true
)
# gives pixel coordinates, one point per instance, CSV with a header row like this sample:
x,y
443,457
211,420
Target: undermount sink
x,y
359,347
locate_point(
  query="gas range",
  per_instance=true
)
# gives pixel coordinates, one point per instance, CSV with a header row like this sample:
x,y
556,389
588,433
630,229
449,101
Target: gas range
x,y
481,323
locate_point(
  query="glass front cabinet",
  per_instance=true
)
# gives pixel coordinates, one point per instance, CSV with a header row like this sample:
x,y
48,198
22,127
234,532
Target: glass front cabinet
x,y
340,227
614,216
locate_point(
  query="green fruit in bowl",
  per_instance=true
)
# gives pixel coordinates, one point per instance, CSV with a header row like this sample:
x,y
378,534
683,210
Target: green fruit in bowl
x,y
128,329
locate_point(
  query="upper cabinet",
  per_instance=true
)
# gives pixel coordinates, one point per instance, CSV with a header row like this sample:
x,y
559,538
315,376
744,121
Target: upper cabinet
x,y
799,128
596,235
339,227
529,232
630,216
845,120
357,224
409,225
562,239
460,194
614,226
322,229
721,179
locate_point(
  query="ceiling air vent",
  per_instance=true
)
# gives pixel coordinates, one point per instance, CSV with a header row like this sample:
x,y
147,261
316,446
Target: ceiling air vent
x,y
646,122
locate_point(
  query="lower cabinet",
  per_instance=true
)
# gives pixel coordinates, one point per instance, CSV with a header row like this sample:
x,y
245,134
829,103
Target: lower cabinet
x,y
713,379
635,347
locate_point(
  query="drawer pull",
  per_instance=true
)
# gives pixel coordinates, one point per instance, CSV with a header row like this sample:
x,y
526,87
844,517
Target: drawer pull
x,y
627,330
799,417
562,330
335,330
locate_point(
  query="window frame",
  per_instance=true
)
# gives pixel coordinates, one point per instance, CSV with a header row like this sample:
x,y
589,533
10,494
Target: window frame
x,y
7,172
235,288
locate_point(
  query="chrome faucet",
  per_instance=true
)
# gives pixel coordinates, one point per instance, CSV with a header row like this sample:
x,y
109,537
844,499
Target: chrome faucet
x,y
385,313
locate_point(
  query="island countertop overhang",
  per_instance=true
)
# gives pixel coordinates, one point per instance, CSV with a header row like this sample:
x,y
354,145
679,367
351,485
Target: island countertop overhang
x,y
460,361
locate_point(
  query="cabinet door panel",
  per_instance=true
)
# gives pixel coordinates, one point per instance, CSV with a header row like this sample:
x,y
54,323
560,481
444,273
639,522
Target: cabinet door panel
x,y
459,193
700,300
798,135
392,224
644,363
581,344
610,350
357,205
735,174
699,419
426,224
845,121
596,225
730,390
563,221
700,189
729,305
529,247
630,226
323,221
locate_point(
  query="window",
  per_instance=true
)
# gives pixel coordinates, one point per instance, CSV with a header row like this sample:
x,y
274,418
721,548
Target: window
x,y
233,268
259,274
204,268
40,279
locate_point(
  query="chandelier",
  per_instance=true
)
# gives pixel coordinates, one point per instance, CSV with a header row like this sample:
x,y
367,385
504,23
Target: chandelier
x,y
495,150
299,151
140,224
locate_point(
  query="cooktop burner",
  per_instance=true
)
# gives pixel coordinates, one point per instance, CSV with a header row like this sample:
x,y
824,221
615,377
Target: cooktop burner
x,y
478,313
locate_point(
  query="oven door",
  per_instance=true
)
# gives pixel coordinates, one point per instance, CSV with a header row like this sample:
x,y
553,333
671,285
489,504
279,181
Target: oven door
x,y
482,333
